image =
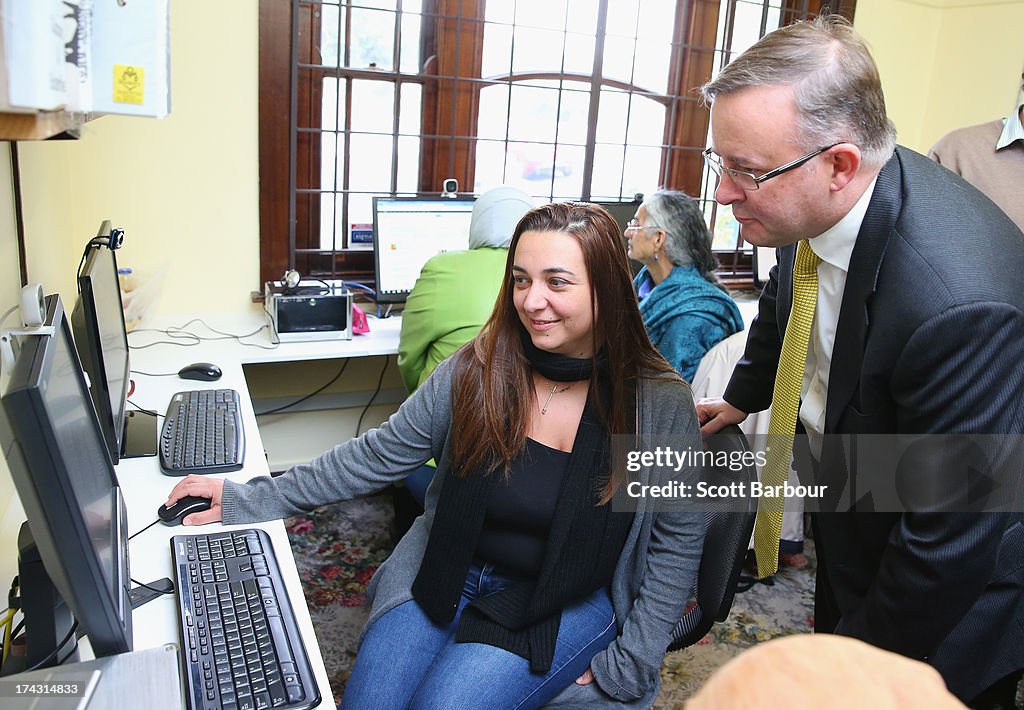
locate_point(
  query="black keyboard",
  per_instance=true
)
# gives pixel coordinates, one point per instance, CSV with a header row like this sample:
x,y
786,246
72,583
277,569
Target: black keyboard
x,y
241,648
202,433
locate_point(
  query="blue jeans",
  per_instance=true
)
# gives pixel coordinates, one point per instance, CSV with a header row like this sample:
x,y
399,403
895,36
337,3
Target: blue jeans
x,y
407,661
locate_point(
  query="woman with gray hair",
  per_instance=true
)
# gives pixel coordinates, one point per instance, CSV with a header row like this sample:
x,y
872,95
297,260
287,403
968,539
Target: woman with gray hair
x,y
685,308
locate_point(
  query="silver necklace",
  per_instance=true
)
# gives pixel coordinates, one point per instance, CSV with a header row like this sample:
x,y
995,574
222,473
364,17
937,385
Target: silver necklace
x,y
554,390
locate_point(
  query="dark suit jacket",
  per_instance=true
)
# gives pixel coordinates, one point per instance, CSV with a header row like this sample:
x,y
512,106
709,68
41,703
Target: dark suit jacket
x,y
930,340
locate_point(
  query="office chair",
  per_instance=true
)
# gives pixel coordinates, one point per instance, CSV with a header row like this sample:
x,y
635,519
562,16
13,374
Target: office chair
x,y
726,535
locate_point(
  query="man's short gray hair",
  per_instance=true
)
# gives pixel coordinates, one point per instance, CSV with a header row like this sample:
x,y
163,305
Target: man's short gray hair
x,y
836,85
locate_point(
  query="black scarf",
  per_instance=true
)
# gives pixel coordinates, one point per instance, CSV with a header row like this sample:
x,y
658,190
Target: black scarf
x,y
582,549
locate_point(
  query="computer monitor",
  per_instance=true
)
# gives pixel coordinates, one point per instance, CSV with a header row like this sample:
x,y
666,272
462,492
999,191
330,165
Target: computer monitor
x,y
98,324
622,213
64,477
407,231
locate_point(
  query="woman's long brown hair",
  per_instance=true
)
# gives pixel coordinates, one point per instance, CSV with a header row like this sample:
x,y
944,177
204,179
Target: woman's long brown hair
x,y
492,385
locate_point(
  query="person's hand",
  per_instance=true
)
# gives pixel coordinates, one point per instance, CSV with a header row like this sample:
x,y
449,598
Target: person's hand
x,y
714,413
203,487
586,679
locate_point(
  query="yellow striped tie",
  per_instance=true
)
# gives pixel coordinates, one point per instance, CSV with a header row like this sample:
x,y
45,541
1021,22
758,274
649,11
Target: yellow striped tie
x,y
785,407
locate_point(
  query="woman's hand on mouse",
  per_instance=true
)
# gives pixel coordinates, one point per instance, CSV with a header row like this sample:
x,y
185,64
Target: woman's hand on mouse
x,y
204,487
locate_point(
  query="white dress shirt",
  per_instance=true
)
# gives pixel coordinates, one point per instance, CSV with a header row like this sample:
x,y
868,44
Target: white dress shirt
x,y
834,247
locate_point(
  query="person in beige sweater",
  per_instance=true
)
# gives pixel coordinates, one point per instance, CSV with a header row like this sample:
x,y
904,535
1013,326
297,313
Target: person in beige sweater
x,y
990,156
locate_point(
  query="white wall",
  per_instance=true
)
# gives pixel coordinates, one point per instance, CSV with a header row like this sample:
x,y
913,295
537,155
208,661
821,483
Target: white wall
x,y
944,63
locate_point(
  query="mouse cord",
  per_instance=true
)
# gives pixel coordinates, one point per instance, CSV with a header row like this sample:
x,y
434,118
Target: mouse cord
x,y
155,374
144,529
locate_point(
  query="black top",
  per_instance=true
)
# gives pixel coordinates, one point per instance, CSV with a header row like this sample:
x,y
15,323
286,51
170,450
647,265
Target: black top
x,y
520,509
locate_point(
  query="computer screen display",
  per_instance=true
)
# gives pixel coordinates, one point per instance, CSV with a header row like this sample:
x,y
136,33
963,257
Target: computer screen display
x,y
407,231
98,323
66,482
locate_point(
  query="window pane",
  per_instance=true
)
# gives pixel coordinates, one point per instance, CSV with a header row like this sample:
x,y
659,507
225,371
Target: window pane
x,y
608,164
409,120
727,229
332,113
618,58
382,4
330,167
533,112
497,54
499,11
651,64
622,16
373,39
568,182
408,163
331,234
646,121
410,42
332,26
548,14
611,117
537,50
579,54
492,121
371,163
746,26
640,172
573,113
360,207
490,164
583,16
373,106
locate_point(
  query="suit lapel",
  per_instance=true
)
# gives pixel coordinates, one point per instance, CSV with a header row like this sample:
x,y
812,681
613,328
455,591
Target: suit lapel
x,y
861,281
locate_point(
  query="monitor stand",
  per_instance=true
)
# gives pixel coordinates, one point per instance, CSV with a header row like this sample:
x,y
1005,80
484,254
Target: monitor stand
x,y
140,437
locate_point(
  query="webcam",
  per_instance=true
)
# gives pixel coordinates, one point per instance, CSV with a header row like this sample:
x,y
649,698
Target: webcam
x,y
113,238
291,279
449,187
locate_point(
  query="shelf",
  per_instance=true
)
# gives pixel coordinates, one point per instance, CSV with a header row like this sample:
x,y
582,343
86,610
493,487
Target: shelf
x,y
40,125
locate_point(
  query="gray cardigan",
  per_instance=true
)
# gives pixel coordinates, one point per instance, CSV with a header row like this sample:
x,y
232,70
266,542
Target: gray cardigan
x,y
655,572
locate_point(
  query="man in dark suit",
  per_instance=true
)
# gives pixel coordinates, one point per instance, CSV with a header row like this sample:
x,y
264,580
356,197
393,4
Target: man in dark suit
x,y
918,329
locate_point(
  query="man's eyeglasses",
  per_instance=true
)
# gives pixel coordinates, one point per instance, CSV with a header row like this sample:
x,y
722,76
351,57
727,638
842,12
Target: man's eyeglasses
x,y
749,181
634,226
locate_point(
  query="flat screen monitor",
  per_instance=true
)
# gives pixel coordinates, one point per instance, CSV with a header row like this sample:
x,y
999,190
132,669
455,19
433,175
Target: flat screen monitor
x,y
407,231
98,324
623,212
66,482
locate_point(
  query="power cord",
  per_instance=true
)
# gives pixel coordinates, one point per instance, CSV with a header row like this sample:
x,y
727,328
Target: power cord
x,y
191,339
380,381
55,652
308,396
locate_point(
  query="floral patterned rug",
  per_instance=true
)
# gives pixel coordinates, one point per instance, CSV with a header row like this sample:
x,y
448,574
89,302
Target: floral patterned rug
x,y
338,548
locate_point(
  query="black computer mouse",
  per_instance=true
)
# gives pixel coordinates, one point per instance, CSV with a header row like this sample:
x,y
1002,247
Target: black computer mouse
x,y
205,371
185,506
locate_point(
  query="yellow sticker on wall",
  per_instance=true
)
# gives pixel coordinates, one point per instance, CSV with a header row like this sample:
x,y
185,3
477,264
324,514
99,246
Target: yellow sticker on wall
x,y
129,84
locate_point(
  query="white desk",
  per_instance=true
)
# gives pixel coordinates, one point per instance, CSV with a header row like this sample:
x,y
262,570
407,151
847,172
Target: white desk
x,y
145,488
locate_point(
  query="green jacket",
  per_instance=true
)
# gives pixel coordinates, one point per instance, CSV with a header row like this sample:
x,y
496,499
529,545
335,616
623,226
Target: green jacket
x,y
450,302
